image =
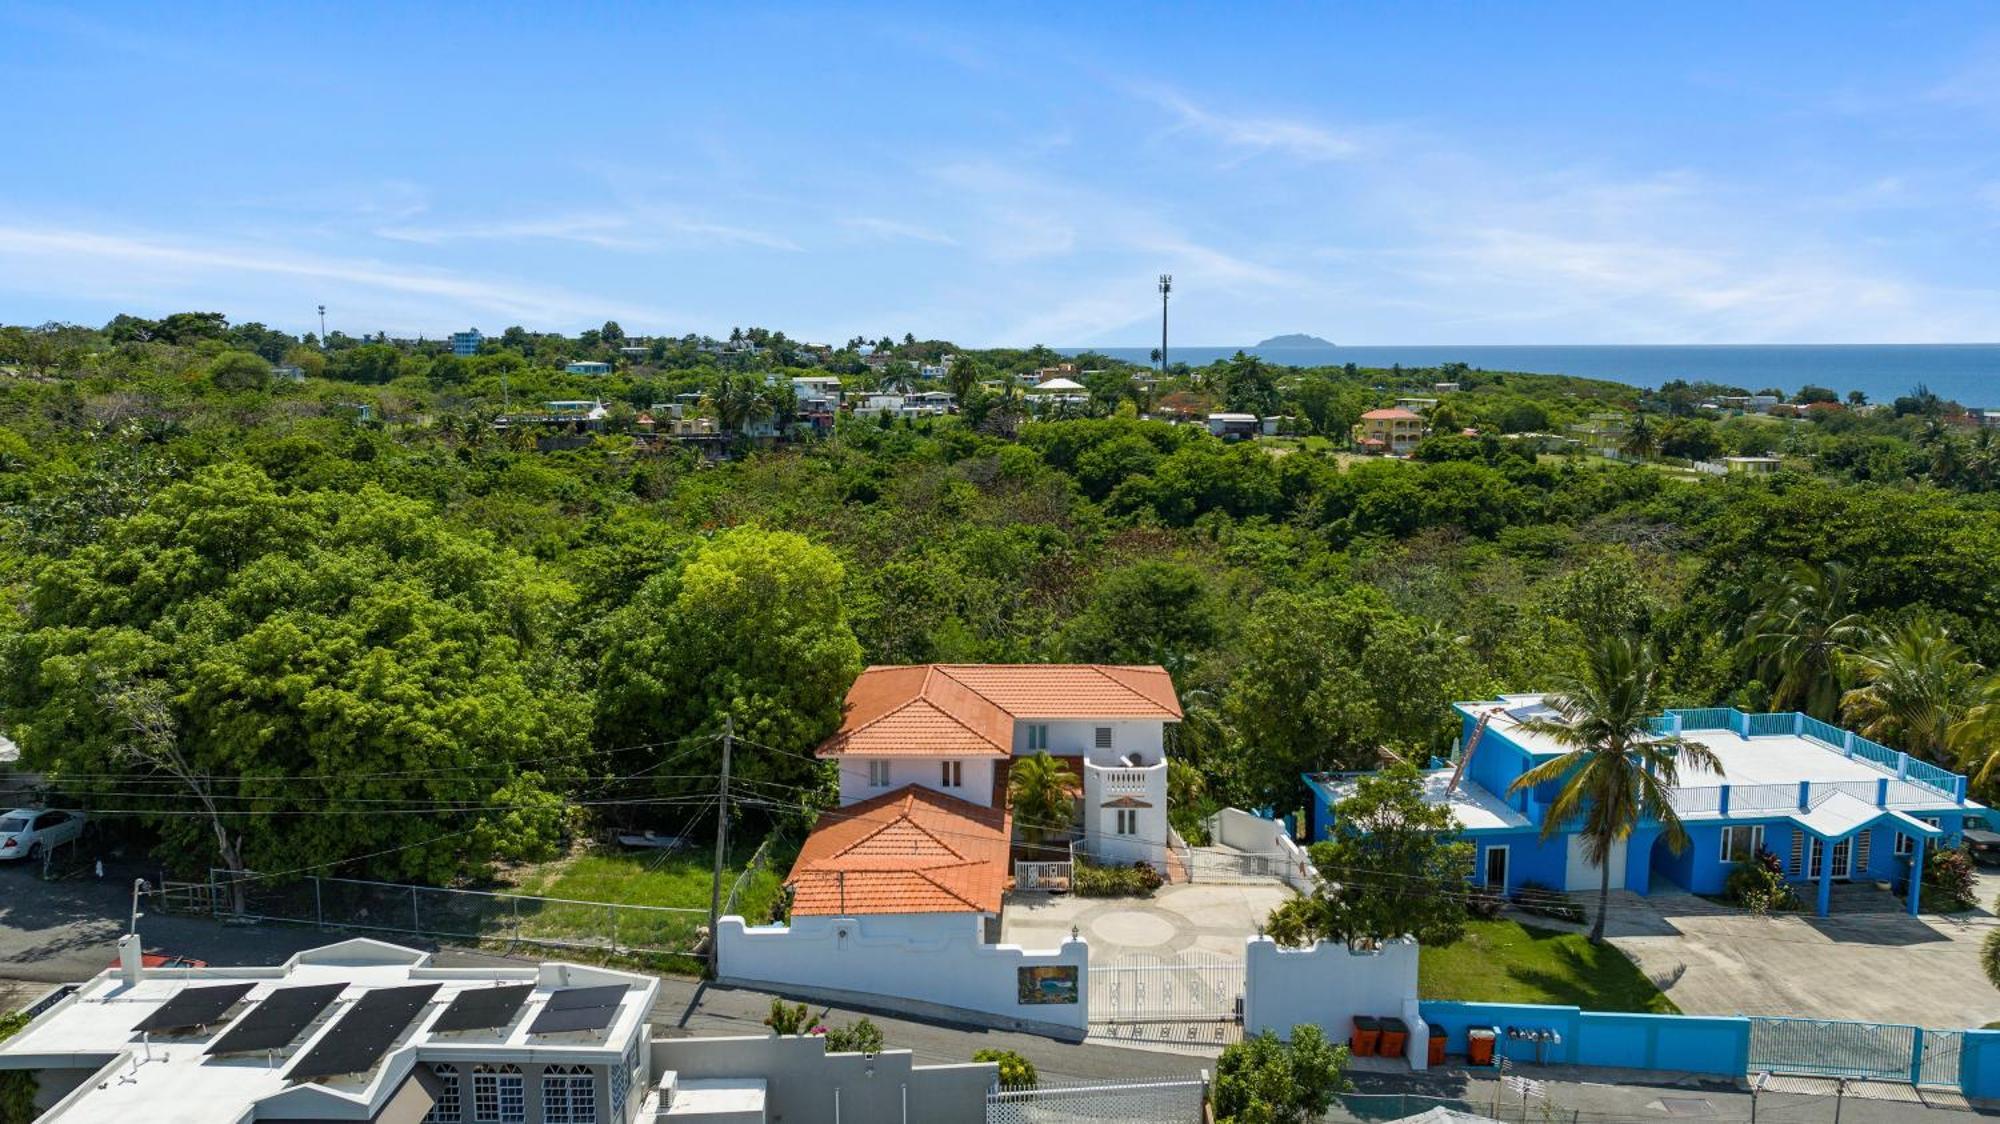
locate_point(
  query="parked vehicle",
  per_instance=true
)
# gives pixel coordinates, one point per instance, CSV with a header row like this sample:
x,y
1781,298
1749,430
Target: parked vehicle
x,y
26,833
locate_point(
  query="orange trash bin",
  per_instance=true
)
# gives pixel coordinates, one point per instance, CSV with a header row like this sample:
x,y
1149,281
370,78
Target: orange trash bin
x,y
1395,1037
1479,1046
1437,1046
1367,1036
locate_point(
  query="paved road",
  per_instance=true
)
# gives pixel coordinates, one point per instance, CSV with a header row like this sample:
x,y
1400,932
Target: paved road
x,y
60,932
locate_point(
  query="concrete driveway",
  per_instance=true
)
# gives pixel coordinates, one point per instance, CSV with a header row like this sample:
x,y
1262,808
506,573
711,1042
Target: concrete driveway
x,y
1867,961
1205,917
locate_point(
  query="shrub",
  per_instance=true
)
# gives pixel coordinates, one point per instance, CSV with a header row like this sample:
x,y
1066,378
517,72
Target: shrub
x,y
1266,1080
1758,884
863,1037
1951,873
786,1018
1138,880
1016,1072
1547,901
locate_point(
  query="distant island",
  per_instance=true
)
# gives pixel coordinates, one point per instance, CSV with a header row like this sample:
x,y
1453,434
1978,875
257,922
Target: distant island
x,y
1296,339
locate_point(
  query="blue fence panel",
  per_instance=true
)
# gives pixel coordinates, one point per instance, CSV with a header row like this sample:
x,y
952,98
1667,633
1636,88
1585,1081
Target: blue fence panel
x,y
1682,1043
1763,725
1925,773
1456,1018
1979,1064
1707,718
1825,732
1878,754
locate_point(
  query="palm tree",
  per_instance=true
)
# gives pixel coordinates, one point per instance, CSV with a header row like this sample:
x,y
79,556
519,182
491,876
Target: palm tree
x,y
1642,440
1801,635
1041,792
1617,773
1918,688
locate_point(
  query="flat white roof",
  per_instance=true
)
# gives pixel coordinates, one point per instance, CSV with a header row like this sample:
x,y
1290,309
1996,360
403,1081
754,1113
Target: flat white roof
x,y
715,1096
1471,806
179,1085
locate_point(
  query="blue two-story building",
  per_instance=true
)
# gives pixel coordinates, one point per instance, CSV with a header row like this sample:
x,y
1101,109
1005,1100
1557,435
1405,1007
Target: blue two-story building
x,y
1832,805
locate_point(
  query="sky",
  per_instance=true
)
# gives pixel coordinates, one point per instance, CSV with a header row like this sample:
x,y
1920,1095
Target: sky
x,y
1012,174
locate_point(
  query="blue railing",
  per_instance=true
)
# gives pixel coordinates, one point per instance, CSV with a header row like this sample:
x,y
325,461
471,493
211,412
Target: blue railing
x,y
1925,773
1707,718
1825,733
1763,725
1875,753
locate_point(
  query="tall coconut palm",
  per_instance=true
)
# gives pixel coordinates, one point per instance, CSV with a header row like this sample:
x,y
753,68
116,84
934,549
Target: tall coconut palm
x,y
1802,635
1916,685
1041,791
1616,773
1642,440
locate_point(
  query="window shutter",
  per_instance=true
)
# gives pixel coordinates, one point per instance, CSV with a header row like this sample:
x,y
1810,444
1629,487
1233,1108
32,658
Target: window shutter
x,y
1104,737
1861,853
1798,852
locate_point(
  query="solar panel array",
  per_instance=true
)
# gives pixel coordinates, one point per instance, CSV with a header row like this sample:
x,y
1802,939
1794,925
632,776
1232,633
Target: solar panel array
x,y
580,1008
359,1038
483,1008
273,1023
194,1007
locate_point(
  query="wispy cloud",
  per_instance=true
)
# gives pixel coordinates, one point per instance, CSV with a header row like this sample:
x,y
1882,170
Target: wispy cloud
x,y
1302,140
892,230
94,261
641,229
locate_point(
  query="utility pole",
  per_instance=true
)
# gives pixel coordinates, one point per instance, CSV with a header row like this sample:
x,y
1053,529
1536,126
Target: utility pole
x,y
721,842
1166,286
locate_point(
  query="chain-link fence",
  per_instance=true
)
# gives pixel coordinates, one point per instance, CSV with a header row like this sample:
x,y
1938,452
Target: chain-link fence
x,y
462,915
744,891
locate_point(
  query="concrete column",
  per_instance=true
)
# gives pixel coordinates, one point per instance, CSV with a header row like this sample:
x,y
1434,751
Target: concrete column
x,y
1917,877
1825,877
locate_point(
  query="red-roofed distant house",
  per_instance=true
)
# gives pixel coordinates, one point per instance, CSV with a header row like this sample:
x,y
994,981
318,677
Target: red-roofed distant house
x,y
1393,431
924,755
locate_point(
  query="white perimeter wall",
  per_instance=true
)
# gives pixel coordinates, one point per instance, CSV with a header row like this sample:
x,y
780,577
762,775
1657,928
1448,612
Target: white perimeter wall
x,y
1329,984
1233,827
934,959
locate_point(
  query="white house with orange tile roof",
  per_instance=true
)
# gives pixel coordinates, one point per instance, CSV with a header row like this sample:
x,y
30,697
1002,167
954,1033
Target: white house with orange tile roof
x,y
955,730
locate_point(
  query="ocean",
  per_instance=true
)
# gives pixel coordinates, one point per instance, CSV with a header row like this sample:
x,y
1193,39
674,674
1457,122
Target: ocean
x,y
1966,373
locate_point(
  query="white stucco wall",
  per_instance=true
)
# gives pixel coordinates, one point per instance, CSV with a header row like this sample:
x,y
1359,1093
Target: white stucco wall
x,y
1255,835
1329,984
936,959
924,771
1069,738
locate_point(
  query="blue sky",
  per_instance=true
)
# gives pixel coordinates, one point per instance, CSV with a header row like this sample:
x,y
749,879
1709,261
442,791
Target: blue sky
x,y
1014,174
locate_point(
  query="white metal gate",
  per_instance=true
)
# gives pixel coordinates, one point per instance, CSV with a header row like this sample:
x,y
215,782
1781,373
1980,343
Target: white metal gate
x,y
1156,1102
1193,998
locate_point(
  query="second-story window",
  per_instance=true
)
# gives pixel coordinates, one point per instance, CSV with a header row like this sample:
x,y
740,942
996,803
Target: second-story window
x,y
878,774
1104,737
1038,738
1128,822
954,774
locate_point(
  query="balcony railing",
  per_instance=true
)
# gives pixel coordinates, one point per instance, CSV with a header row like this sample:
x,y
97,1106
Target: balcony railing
x,y
1751,799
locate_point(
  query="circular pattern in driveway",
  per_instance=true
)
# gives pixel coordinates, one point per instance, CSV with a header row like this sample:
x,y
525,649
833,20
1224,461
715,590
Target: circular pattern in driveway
x,y
1133,928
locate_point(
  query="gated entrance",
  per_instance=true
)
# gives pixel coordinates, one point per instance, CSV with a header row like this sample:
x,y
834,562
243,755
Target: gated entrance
x,y
1872,1051
1193,999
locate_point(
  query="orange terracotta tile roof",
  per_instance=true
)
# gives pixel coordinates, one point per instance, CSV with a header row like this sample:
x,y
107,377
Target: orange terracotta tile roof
x,y
1389,414
949,710
908,851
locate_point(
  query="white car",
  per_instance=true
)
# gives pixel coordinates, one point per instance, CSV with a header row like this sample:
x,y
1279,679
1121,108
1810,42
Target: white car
x,y
25,833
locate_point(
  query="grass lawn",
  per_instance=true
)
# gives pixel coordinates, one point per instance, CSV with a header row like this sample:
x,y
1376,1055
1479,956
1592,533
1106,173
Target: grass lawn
x,y
679,880
1507,962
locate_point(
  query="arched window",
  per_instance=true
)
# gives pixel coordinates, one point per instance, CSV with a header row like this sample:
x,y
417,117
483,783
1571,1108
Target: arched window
x,y
499,1094
569,1095
450,1108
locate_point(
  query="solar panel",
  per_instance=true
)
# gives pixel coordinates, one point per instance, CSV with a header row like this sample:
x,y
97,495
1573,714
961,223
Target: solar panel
x,y
359,1038
483,1008
580,1008
577,998
194,1006
277,1020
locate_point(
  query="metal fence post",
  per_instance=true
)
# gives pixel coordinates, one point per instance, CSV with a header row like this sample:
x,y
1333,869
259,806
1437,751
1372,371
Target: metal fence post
x,y
611,924
516,903
319,909
416,921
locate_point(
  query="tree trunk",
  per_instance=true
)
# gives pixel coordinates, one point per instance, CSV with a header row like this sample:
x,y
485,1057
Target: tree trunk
x,y
1603,898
